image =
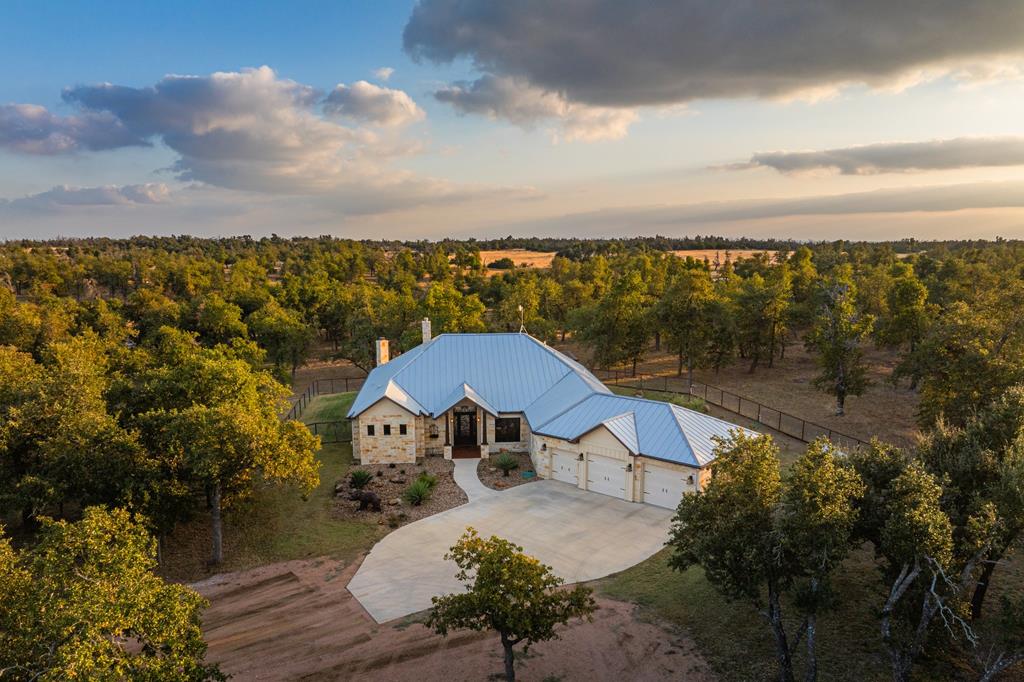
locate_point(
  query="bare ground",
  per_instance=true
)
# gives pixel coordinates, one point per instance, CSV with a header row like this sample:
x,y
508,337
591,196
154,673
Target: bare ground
x,y
296,621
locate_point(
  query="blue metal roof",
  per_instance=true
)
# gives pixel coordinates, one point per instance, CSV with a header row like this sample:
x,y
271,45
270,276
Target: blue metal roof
x,y
559,397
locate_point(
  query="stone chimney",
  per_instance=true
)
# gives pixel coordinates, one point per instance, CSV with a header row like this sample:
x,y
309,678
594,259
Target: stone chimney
x,y
382,351
425,324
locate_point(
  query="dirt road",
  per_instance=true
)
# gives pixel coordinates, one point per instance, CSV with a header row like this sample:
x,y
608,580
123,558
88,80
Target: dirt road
x,y
296,621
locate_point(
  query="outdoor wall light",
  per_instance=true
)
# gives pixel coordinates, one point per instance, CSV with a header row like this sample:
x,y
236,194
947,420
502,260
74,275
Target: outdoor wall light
x,y
629,467
543,447
580,458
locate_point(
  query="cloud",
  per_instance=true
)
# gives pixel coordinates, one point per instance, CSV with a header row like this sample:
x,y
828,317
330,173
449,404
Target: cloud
x,y
107,195
524,105
32,129
384,73
622,54
371,103
895,157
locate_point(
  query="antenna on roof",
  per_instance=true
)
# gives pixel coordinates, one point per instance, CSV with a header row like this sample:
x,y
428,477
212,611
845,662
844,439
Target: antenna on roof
x,y
522,319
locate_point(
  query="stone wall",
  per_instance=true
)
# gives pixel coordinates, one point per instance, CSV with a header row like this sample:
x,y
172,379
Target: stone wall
x,y
385,449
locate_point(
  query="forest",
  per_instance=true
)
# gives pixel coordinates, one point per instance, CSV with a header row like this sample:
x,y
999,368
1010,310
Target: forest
x,y
142,382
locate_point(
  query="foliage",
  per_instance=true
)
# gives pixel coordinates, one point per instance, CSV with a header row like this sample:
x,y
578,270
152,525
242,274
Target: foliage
x,y
506,462
359,478
836,336
417,492
508,592
83,603
428,478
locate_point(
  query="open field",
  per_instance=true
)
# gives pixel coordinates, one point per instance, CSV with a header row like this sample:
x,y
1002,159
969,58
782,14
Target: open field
x,y
521,257
719,255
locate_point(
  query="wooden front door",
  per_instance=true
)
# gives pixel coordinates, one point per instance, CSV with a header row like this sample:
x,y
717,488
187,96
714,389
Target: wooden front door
x,y
465,428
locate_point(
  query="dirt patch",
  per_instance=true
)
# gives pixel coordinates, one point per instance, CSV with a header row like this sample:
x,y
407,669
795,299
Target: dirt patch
x,y
389,484
717,257
521,257
296,621
325,370
494,478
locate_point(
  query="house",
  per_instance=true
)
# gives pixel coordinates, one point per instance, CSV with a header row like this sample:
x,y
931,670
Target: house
x,y
471,395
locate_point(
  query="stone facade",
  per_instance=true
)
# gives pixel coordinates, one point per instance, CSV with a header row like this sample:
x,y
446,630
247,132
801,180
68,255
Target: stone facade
x,y
386,448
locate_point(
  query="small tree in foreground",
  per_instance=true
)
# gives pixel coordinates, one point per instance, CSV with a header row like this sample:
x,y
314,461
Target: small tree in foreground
x,y
509,592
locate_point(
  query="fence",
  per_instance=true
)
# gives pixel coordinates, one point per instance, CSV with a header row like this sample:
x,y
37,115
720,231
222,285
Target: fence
x,y
332,432
783,422
322,387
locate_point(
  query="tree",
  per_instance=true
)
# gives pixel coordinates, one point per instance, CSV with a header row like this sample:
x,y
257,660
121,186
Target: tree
x,y
684,312
216,320
84,603
754,320
283,333
508,592
729,530
450,311
982,463
215,423
836,336
618,326
817,522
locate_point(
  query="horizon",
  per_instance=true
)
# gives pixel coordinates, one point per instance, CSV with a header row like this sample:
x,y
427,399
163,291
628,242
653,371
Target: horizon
x,y
432,120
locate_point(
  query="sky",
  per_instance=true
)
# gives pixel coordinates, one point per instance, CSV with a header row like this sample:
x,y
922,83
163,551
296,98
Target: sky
x,y
805,119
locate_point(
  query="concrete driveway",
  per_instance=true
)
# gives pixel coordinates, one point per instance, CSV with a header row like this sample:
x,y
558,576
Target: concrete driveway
x,y
581,535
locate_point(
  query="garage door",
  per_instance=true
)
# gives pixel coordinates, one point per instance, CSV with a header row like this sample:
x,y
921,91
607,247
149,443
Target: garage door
x,y
663,487
564,467
606,475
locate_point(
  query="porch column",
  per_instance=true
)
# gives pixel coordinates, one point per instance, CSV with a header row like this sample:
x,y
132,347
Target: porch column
x,y
447,436
484,413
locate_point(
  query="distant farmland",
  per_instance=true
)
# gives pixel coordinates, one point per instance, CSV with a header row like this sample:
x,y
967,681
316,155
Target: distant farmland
x,y
542,259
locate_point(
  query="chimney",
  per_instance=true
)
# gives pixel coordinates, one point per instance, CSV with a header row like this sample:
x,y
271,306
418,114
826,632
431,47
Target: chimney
x,y
425,324
382,351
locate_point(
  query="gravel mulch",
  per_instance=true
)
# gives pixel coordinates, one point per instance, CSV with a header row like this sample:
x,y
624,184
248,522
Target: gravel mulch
x,y
493,477
389,484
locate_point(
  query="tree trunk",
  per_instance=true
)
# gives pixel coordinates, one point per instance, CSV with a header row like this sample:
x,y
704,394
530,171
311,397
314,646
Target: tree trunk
x,y
781,644
679,368
840,404
771,347
216,527
689,377
563,334
753,365
657,341
510,669
811,675
634,367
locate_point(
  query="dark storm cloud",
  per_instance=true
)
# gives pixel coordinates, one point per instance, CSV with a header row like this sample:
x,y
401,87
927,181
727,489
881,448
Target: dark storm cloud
x,y
623,54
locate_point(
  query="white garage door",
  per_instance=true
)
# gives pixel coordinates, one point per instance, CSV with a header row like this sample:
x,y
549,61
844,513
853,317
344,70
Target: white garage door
x,y
663,487
606,475
564,467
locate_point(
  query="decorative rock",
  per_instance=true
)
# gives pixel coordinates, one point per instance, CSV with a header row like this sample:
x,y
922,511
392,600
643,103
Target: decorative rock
x,y
394,502
397,480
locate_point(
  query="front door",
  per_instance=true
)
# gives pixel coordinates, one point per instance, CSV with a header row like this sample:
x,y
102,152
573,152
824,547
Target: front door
x,y
465,428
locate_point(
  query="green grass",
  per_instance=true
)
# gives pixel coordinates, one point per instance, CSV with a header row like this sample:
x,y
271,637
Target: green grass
x,y
329,408
689,402
277,524
736,639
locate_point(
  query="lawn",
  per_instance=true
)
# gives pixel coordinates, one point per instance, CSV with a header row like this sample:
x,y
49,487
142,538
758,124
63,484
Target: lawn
x,y
689,402
329,408
277,524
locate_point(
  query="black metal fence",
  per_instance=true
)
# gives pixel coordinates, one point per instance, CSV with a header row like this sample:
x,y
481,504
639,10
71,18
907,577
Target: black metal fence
x,y
322,387
332,432
773,418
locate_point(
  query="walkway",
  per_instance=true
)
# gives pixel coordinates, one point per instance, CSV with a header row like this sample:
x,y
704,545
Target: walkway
x,y
581,535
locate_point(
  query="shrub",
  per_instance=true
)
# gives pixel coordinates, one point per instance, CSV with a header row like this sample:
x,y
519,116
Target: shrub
x,y
505,263
506,463
417,493
430,480
690,402
359,478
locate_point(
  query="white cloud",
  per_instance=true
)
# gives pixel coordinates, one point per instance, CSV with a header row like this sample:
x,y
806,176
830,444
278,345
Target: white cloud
x,y
895,157
517,101
32,129
374,104
384,73
107,195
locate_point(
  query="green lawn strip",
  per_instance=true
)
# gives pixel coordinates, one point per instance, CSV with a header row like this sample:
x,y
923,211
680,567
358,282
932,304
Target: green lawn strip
x,y
735,638
329,408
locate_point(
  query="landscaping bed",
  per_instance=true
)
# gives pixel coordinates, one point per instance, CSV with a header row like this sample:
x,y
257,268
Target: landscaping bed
x,y
390,484
493,477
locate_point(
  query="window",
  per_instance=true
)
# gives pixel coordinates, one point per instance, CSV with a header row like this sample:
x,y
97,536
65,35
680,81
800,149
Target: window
x,y
402,429
506,430
369,429
387,429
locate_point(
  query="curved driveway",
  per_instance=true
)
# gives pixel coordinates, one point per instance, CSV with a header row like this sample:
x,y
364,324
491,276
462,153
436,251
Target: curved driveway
x,y
581,535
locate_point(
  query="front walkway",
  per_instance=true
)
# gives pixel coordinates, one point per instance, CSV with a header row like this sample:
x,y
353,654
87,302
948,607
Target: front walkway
x,y
581,535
